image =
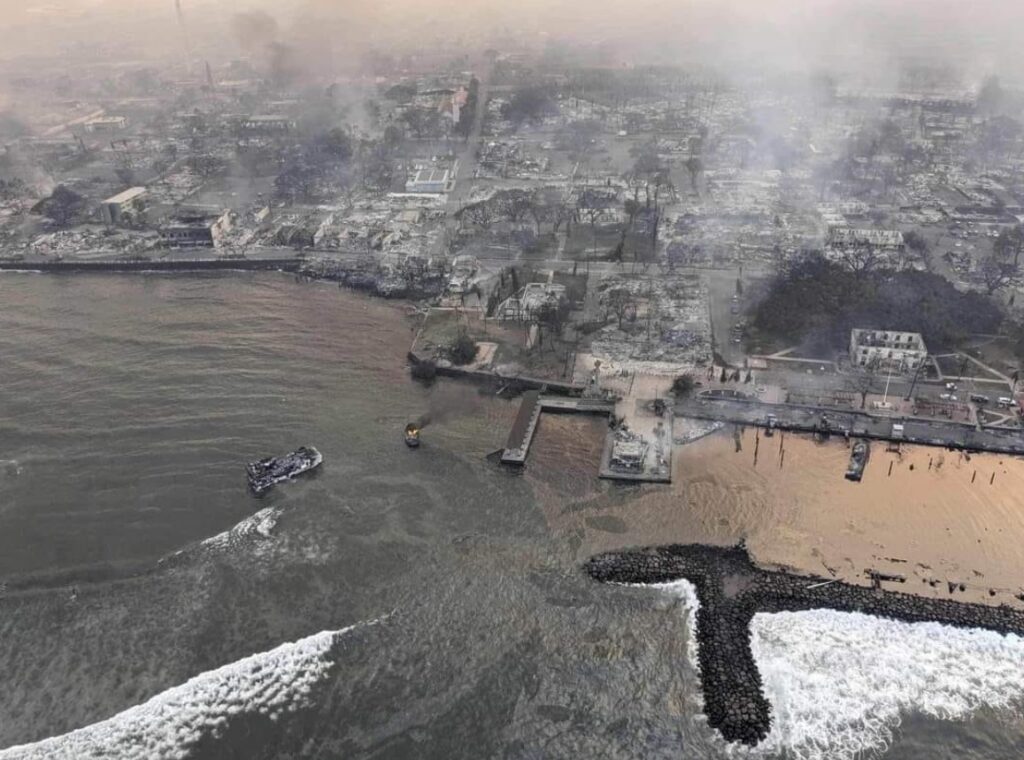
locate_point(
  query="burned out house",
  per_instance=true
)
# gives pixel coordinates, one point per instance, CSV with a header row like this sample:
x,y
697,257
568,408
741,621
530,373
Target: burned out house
x,y
432,180
196,229
267,125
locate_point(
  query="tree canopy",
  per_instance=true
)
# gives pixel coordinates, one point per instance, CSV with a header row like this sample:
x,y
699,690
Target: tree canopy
x,y
817,302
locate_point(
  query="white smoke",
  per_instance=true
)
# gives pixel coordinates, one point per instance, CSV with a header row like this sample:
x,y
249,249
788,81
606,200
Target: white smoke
x,y
839,682
272,683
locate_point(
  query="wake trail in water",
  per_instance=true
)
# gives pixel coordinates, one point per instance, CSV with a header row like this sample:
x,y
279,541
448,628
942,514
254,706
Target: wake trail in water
x,y
169,725
839,682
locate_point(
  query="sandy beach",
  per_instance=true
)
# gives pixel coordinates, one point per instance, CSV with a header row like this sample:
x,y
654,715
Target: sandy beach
x,y
939,519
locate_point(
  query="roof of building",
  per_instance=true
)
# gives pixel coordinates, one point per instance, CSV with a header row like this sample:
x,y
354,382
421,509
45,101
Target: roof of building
x,y
194,218
847,235
884,338
126,195
431,175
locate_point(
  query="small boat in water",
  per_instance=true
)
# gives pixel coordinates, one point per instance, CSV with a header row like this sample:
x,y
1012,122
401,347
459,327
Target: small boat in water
x,y
858,461
412,435
266,473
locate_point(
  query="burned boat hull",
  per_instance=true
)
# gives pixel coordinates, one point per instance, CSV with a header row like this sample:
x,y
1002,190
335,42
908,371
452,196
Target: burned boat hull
x,y
264,474
858,461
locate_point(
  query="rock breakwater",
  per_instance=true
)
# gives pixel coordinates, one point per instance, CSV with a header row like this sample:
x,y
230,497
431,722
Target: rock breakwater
x,y
731,590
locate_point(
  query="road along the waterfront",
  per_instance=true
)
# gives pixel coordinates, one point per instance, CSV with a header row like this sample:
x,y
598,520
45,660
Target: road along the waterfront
x,y
806,419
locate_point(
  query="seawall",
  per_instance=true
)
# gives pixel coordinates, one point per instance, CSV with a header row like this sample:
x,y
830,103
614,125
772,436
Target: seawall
x,y
173,265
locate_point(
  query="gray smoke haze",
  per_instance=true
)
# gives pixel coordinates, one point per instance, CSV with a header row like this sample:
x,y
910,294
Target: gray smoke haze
x,y
868,39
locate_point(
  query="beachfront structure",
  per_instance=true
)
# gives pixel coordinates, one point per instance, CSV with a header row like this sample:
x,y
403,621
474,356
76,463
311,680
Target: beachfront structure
x,y
887,350
123,206
196,229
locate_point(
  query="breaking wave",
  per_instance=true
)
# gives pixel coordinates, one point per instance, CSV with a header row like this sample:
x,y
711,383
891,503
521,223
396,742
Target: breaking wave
x,y
272,683
254,534
255,527
839,682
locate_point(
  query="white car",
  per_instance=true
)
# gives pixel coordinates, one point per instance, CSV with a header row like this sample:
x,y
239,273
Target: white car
x,y
947,397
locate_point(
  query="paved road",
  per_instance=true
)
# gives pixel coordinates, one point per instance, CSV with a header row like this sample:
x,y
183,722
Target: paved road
x,y
806,419
467,163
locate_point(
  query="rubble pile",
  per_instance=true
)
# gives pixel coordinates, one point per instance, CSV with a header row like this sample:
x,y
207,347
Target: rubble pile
x,y
410,278
666,321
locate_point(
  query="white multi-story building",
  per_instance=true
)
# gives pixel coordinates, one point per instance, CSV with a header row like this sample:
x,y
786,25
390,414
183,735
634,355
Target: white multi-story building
x,y
887,350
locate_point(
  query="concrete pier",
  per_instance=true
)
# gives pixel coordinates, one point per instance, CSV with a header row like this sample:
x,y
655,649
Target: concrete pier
x,y
517,448
533,405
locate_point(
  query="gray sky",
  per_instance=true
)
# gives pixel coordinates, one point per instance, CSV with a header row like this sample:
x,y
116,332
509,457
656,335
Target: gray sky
x,y
868,35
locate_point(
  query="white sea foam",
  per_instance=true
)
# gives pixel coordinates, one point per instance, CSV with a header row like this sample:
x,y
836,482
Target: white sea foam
x,y
271,683
839,682
258,526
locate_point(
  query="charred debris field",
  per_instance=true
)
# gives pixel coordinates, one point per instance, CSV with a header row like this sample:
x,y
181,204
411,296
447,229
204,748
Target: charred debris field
x,y
731,589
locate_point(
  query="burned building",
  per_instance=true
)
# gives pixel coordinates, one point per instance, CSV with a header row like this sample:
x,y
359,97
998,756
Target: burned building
x,y
266,125
124,206
887,350
196,229
843,239
105,124
429,180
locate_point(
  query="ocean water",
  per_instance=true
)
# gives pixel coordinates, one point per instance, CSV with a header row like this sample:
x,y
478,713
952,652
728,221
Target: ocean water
x,y
139,573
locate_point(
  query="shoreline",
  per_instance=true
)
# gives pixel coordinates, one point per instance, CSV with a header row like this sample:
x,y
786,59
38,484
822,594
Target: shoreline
x,y
731,589
164,265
